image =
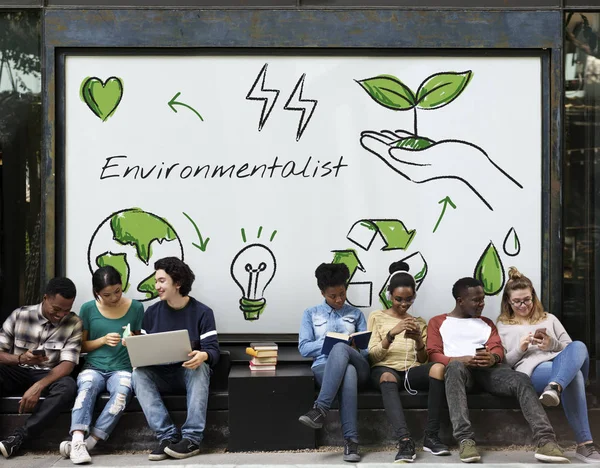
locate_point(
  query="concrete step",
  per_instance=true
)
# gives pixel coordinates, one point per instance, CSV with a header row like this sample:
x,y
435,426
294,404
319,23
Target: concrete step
x,y
499,428
308,459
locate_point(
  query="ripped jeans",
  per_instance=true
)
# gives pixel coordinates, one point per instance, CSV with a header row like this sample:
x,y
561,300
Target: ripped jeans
x,y
90,383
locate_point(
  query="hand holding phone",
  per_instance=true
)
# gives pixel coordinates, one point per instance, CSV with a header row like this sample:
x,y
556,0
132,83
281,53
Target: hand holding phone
x,y
539,334
39,352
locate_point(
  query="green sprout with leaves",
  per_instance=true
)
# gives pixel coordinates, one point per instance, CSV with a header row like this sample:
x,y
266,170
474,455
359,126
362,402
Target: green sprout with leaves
x,y
434,92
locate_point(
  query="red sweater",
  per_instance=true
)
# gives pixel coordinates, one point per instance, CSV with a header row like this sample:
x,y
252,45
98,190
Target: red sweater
x,y
442,338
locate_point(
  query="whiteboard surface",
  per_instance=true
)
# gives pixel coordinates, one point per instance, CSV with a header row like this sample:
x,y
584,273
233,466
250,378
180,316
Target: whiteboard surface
x,y
491,170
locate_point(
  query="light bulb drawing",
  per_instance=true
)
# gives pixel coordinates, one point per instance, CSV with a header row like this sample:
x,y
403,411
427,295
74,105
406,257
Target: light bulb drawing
x,y
252,269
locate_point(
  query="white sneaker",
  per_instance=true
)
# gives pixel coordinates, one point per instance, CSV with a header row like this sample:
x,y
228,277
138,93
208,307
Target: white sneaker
x,y
65,448
79,453
551,395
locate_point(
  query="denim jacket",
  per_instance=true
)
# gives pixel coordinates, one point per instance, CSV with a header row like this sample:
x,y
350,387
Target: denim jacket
x,y
319,320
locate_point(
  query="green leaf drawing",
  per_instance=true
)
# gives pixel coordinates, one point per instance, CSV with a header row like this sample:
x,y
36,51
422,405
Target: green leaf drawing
x,y
441,89
414,144
119,262
489,271
389,91
512,244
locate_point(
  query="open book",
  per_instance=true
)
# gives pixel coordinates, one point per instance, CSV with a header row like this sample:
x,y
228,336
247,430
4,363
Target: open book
x,y
361,340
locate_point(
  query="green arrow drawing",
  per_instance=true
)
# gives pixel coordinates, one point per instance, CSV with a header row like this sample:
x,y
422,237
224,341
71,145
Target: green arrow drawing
x,y
392,231
446,201
350,259
203,242
173,102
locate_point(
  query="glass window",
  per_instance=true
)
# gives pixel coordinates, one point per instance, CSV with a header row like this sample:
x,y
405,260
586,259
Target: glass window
x,y
20,152
581,189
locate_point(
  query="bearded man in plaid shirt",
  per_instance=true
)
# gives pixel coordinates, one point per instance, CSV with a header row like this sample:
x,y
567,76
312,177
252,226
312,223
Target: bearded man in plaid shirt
x,y
39,348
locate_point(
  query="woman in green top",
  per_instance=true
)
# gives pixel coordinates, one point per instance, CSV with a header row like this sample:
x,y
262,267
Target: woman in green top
x,y
107,366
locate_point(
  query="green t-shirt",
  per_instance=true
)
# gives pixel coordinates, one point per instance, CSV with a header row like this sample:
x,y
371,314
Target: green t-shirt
x,y
109,358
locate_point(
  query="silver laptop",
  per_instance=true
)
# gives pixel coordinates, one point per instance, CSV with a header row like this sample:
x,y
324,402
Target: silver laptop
x,y
159,348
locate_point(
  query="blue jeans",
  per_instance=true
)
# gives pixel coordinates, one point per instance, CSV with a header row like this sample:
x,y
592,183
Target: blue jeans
x,y
90,383
149,382
341,375
569,369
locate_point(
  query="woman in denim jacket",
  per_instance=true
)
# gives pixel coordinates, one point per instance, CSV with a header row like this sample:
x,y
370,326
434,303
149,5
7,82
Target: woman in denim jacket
x,y
344,369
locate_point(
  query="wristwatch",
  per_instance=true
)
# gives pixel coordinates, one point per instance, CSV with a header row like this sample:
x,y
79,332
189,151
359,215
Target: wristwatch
x,y
390,338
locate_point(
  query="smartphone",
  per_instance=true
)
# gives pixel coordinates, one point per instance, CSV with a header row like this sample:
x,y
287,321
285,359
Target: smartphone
x,y
482,348
540,333
39,352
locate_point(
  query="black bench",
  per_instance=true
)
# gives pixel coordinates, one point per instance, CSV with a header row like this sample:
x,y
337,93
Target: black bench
x,y
217,398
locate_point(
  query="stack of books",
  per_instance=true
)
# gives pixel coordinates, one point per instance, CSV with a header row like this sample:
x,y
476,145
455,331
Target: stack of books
x,y
264,356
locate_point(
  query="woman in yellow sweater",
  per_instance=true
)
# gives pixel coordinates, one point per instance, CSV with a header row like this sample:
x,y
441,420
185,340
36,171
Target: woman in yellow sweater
x,y
398,358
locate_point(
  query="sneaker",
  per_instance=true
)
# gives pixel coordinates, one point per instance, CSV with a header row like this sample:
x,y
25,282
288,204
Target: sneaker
x,y
314,418
79,453
468,451
433,444
550,452
184,449
65,448
351,451
551,395
159,452
11,445
406,451
588,453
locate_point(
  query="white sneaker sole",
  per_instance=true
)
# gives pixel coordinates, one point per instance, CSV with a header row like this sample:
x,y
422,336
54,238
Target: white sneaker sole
x,y
549,399
3,450
162,456
471,459
406,460
81,461
584,459
551,459
181,456
441,452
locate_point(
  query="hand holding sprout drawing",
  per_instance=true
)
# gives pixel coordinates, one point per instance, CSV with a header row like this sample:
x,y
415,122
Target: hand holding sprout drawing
x,y
421,159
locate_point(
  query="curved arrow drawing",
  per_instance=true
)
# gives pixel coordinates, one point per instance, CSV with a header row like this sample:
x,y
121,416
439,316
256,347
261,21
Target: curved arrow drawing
x,y
173,102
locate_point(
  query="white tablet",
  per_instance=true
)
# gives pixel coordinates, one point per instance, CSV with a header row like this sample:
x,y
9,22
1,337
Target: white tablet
x,y
159,348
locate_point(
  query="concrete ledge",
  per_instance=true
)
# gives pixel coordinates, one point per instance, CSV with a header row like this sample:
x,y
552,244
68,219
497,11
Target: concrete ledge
x,y
499,428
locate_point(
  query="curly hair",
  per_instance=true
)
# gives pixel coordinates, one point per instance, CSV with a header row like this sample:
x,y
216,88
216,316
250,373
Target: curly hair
x,y
331,275
463,284
61,285
179,272
518,281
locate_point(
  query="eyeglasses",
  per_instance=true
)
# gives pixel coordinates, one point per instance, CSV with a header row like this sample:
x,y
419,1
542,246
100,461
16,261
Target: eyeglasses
x,y
527,301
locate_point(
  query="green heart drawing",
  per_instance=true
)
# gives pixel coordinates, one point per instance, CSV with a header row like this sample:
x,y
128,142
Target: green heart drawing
x,y
102,98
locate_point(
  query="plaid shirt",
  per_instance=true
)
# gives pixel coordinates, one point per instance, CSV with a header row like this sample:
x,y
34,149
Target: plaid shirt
x,y
27,328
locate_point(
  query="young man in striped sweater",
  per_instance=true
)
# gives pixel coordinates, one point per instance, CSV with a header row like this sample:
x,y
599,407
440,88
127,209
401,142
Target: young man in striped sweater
x,y
470,348
178,311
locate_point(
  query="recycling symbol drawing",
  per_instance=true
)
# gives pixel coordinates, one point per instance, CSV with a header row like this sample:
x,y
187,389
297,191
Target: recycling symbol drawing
x,y
395,236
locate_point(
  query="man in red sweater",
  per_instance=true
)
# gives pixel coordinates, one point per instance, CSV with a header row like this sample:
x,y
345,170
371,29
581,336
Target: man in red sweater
x,y
470,348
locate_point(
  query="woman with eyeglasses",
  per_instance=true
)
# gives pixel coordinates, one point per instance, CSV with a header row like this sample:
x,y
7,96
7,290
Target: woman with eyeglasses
x,y
398,358
538,345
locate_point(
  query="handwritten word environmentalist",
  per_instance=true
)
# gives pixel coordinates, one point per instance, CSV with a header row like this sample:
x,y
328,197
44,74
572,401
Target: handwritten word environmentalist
x,y
117,166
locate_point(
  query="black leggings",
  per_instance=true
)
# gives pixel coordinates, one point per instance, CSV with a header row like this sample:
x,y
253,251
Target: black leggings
x,y
418,379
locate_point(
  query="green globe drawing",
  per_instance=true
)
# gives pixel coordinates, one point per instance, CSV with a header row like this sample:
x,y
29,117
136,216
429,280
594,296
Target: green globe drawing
x,y
131,241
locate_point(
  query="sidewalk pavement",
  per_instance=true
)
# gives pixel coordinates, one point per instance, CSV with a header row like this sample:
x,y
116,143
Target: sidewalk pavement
x,y
372,458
